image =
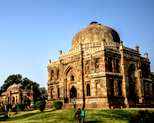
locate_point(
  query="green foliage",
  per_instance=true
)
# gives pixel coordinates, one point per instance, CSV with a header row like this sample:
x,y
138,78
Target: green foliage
x,y
1,108
39,103
142,117
27,85
58,104
43,93
33,106
15,78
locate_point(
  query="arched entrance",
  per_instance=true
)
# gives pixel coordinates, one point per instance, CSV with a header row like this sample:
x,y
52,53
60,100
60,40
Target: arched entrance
x,y
69,78
73,92
132,85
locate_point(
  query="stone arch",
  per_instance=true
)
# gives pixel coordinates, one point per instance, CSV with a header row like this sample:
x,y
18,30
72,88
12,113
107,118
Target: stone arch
x,y
68,68
73,92
132,83
67,80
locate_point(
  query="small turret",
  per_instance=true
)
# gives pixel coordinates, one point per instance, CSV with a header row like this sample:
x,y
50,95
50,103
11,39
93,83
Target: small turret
x,y
146,55
60,52
49,61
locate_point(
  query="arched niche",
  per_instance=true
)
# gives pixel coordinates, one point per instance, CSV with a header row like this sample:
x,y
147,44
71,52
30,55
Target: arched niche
x,y
73,92
132,83
88,89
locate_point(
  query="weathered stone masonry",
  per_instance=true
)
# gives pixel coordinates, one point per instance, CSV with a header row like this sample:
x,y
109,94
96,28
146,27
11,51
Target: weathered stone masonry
x,y
99,72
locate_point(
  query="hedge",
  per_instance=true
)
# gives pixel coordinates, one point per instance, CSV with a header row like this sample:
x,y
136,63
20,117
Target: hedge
x,y
58,104
39,103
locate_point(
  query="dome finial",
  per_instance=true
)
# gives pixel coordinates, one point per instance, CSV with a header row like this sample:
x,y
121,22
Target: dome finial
x,y
94,22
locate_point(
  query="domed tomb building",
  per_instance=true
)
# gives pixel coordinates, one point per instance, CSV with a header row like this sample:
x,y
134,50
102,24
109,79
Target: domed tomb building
x,y
99,72
17,94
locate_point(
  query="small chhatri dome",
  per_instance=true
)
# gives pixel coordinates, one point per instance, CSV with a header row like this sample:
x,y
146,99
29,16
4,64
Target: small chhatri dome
x,y
15,86
95,32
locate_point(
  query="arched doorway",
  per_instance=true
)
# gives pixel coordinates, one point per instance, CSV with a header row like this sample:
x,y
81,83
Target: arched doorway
x,y
73,92
132,84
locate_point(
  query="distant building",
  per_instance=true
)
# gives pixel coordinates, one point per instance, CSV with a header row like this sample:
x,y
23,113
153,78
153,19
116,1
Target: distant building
x,y
16,94
99,72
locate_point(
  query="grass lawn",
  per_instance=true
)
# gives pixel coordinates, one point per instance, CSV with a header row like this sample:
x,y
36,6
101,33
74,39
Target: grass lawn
x,y
67,116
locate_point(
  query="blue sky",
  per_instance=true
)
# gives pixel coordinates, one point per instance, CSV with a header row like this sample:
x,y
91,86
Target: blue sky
x,y
33,31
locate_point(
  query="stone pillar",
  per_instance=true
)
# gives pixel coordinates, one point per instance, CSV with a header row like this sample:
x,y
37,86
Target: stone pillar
x,y
113,64
68,90
49,61
49,75
151,91
116,89
10,97
123,71
137,49
65,88
49,93
146,55
93,88
148,69
82,75
60,52
102,62
139,86
103,69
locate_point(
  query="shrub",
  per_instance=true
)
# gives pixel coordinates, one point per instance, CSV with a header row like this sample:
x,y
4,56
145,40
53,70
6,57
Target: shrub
x,y
42,107
142,117
57,104
2,108
33,106
38,103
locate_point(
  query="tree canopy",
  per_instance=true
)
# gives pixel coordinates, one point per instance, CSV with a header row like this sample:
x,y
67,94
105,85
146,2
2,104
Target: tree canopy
x,y
27,83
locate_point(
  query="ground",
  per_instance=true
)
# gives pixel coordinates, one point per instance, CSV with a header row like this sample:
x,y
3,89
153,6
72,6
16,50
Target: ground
x,y
67,116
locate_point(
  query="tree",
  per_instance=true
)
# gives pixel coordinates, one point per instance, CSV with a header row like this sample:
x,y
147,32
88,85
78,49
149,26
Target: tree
x,y
43,93
10,81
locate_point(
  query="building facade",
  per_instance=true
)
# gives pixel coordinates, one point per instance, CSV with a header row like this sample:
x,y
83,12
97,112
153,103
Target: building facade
x,y
16,94
100,72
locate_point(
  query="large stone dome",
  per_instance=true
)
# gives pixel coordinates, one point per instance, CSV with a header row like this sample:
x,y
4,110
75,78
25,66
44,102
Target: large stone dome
x,y
95,32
